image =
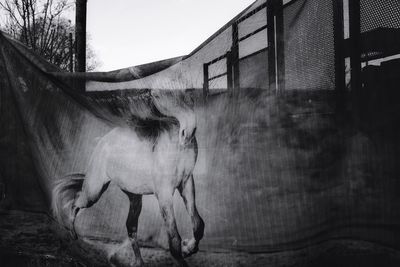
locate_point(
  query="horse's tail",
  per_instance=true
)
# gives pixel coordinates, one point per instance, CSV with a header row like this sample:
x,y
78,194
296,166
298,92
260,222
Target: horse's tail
x,y
64,194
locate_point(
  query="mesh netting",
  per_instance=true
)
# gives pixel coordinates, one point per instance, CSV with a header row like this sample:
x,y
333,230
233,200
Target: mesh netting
x,y
375,14
254,71
309,45
275,170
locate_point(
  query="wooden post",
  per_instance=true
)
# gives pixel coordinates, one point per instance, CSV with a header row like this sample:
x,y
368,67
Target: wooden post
x,y
355,54
271,46
80,35
229,70
280,44
71,53
338,35
2,191
205,82
235,56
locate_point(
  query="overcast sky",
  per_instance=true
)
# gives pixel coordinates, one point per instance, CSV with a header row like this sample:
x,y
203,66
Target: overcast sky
x,y
131,32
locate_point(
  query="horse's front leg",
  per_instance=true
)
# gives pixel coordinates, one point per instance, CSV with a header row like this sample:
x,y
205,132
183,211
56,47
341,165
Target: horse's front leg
x,y
132,224
187,191
165,201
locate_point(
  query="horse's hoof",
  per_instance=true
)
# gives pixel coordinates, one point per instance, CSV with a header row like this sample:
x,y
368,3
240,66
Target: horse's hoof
x,y
189,247
182,263
73,235
139,263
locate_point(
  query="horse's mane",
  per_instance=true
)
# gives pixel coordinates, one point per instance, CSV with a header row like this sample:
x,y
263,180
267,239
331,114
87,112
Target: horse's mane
x,y
138,109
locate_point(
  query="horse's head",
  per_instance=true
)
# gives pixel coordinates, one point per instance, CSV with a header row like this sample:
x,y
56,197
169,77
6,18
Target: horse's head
x,y
177,104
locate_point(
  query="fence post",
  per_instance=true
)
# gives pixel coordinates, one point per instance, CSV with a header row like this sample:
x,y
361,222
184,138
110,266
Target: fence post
x,y
355,46
338,32
80,35
280,44
205,82
71,53
271,46
235,56
2,191
229,70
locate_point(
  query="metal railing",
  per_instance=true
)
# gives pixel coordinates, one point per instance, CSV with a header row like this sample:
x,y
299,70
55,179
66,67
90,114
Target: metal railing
x,y
227,73
232,56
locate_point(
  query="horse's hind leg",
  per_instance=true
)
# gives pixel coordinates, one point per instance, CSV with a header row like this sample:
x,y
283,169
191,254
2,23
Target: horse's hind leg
x,y
135,208
187,191
92,189
96,180
164,196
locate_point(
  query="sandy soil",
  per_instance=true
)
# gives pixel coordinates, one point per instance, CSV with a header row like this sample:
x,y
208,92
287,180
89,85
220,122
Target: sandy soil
x,y
28,239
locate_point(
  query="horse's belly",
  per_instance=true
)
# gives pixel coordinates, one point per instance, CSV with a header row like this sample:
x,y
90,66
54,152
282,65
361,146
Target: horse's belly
x,y
140,189
134,182
132,172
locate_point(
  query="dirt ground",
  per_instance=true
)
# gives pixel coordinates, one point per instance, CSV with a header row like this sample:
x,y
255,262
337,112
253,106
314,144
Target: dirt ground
x,y
27,239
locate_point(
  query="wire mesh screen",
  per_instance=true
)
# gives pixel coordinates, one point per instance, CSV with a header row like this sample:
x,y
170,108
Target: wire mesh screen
x,y
309,45
254,71
273,172
375,14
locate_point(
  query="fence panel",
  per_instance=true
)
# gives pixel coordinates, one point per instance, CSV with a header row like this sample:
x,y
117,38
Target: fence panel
x,y
309,45
217,74
377,13
253,49
254,71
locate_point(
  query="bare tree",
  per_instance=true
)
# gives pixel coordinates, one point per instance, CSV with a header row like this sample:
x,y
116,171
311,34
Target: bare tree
x,y
44,27
92,60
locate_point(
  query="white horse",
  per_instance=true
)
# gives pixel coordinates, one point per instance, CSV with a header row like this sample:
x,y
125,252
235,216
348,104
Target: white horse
x,y
154,155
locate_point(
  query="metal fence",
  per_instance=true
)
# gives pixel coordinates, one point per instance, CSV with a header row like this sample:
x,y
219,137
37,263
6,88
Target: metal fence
x,y
245,47
308,45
